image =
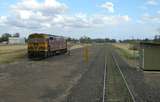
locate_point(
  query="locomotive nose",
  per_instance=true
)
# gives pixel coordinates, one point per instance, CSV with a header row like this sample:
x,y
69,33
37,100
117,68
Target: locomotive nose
x,y
36,47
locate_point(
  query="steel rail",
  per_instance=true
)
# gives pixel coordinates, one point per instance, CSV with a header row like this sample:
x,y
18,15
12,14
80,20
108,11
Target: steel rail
x,y
130,92
104,80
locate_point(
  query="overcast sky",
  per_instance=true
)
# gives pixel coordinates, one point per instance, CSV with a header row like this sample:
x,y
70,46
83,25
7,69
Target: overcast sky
x,y
118,19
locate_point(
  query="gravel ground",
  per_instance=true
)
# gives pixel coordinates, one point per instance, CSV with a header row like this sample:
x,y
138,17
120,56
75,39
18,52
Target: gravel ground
x,y
142,91
49,80
89,88
66,78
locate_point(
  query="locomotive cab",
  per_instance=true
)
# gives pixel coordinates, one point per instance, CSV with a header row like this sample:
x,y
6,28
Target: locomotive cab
x,y
37,46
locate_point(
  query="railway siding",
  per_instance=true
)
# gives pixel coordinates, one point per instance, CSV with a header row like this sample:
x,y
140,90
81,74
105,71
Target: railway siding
x,y
116,89
136,81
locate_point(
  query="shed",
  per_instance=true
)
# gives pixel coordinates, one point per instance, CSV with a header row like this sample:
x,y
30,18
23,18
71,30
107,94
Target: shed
x,y
149,56
16,40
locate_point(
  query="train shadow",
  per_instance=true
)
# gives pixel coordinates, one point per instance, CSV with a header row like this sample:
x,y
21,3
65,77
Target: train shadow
x,y
56,55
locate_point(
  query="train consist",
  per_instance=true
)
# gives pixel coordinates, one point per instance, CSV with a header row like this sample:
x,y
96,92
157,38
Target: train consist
x,y
44,45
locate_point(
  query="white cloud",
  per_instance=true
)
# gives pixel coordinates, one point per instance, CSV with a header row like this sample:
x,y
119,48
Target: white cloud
x,y
24,14
85,21
48,7
147,18
102,20
3,20
152,2
66,21
31,14
109,6
40,14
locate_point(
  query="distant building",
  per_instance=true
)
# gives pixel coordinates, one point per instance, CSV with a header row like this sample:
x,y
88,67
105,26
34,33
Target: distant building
x,y
16,40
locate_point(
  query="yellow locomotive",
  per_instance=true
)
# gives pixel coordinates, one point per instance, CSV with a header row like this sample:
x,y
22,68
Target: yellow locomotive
x,y
45,45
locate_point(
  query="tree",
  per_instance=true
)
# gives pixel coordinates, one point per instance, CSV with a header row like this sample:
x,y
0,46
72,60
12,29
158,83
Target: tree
x,y
85,39
110,40
0,39
157,38
98,40
16,35
5,37
72,40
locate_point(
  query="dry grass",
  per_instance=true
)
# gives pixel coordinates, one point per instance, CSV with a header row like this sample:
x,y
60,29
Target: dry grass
x,y
76,47
124,49
10,53
73,46
129,55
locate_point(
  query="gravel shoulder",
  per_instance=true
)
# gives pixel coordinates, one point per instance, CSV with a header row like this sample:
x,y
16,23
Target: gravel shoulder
x,y
48,80
89,87
116,89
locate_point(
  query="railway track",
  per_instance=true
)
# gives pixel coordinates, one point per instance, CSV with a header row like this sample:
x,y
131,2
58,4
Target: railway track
x,y
124,79
104,81
115,86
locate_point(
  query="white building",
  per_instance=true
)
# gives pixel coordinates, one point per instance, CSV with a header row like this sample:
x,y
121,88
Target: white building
x,y
16,40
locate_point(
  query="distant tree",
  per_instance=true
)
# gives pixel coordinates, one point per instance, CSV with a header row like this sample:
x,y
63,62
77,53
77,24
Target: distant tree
x,y
69,39
0,39
158,30
113,41
157,38
5,37
72,40
16,35
107,39
110,40
26,40
146,40
121,41
85,39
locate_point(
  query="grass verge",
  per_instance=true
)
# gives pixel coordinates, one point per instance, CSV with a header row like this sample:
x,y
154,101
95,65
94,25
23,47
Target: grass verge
x,y
11,53
131,56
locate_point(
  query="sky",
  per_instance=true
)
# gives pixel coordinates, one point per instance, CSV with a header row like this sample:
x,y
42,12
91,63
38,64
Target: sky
x,y
118,19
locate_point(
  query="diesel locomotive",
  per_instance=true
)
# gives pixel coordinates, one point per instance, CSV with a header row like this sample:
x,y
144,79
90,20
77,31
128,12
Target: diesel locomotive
x,y
44,45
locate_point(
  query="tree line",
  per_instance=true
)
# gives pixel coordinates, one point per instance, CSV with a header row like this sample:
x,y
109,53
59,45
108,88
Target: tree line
x,y
86,39
155,40
4,37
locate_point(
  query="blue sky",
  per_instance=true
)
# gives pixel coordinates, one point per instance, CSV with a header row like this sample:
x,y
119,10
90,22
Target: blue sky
x,y
120,19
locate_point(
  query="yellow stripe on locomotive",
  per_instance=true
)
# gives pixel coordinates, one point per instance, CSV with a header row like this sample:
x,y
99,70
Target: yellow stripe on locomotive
x,y
38,46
